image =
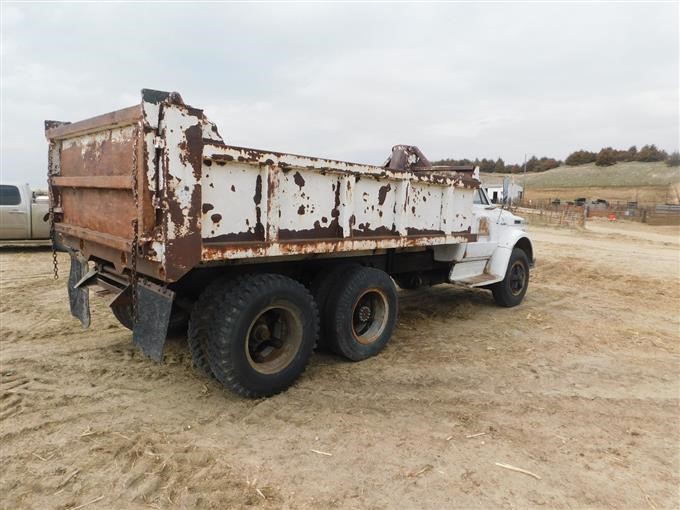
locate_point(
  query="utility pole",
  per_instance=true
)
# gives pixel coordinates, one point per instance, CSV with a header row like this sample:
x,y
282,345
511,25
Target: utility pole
x,y
524,183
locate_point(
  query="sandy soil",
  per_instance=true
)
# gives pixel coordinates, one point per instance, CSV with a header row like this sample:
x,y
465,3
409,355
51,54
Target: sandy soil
x,y
580,385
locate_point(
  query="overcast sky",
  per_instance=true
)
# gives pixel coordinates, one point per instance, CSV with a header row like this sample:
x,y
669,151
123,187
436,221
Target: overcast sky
x,y
348,81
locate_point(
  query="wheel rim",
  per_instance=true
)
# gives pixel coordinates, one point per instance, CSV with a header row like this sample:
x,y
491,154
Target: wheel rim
x,y
369,316
518,276
274,339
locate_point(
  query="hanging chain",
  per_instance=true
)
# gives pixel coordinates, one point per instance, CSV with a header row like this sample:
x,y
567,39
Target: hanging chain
x,y
50,174
135,230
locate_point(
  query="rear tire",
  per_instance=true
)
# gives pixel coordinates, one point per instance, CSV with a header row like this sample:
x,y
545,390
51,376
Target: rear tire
x,y
510,292
321,288
364,313
264,330
200,322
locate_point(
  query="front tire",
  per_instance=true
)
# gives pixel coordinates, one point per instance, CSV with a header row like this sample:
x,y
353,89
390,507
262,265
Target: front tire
x,y
511,290
364,313
264,330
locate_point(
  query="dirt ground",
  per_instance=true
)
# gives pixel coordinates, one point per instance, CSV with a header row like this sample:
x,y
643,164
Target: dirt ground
x,y
579,385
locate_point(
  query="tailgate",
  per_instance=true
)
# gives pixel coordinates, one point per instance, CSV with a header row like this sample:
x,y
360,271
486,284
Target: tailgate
x,y
93,166
125,185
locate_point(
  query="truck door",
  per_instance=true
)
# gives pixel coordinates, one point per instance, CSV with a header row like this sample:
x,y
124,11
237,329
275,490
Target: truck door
x,y
481,219
13,213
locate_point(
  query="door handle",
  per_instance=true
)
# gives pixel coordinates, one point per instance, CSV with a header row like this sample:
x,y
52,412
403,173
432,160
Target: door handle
x,y
17,212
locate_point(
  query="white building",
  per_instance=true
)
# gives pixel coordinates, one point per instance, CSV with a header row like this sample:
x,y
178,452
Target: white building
x,y
496,191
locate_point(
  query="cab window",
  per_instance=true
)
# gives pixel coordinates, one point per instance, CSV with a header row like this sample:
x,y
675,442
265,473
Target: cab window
x,y
9,195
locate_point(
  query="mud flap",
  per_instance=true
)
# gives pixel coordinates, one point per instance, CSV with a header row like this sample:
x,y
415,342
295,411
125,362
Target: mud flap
x,y
154,304
79,297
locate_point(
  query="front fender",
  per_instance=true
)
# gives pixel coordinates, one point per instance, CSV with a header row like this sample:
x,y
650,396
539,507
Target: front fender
x,y
498,263
513,236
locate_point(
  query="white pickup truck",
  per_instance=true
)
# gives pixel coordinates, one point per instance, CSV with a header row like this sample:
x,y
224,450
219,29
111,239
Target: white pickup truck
x,y
24,214
267,254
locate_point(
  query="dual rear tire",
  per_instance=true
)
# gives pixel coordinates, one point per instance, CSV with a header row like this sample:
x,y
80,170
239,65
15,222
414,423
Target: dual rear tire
x,y
360,312
255,334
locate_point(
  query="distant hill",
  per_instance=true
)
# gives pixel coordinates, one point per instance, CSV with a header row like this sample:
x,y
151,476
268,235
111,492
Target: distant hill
x,y
649,182
621,174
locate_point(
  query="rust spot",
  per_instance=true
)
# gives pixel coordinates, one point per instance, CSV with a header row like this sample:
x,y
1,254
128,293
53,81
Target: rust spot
x,y
423,232
207,207
382,193
257,198
216,218
413,209
381,231
207,162
301,210
324,219
233,188
258,190
483,227
299,180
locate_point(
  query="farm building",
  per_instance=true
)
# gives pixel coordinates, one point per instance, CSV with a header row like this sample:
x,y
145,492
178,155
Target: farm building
x,y
498,191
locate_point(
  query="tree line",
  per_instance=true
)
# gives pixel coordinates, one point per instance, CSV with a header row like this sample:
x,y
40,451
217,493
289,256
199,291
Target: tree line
x,y
607,156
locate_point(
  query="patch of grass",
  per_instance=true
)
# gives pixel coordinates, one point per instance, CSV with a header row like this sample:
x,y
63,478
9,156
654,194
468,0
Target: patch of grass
x,y
629,174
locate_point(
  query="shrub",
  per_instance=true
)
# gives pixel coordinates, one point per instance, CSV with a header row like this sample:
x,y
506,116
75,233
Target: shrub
x,y
673,159
651,153
580,158
607,157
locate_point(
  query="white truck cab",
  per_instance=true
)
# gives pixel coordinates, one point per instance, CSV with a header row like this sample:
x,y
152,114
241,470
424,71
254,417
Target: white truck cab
x,y
502,255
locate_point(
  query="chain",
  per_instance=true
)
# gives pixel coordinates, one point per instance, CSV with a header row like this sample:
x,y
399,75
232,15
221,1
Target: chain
x,y
135,227
50,171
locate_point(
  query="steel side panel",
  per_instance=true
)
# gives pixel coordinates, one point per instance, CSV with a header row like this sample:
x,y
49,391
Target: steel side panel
x,y
269,208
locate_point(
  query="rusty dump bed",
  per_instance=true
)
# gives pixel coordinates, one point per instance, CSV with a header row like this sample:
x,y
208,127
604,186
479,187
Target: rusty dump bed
x,y
157,178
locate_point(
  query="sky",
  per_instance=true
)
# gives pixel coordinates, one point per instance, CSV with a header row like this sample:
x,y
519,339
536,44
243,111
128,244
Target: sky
x,y
349,81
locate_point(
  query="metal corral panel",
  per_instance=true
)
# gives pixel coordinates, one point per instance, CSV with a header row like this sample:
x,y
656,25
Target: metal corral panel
x,y
203,201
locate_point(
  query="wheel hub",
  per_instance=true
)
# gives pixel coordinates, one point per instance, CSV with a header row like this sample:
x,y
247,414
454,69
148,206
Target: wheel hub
x,y
273,339
364,313
370,316
261,333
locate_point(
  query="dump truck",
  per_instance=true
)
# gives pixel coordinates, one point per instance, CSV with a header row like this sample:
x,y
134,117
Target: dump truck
x,y
259,256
